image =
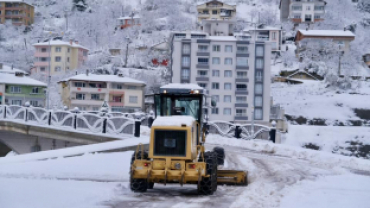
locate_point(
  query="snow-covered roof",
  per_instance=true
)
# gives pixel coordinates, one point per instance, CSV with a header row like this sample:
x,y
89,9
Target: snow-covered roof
x,y
177,121
188,86
128,17
104,78
331,33
262,29
201,3
16,1
9,70
20,80
223,38
62,43
304,72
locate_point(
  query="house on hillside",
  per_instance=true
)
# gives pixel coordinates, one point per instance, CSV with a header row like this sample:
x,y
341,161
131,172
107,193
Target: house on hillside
x,y
11,70
266,33
17,89
160,54
367,59
59,55
302,74
128,21
302,11
16,12
89,91
340,39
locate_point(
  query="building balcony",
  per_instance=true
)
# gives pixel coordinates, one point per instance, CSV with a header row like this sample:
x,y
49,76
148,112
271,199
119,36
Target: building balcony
x,y
244,79
203,66
15,15
202,78
89,90
117,91
241,105
225,14
41,54
202,53
44,63
14,9
204,15
74,101
241,91
116,104
241,117
242,67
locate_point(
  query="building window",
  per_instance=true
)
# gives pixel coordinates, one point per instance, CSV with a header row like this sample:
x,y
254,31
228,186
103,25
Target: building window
x,y
202,48
240,112
202,73
274,35
216,48
15,89
227,111
258,114
242,61
204,85
117,86
34,103
58,49
259,51
215,73
259,63
241,75
186,61
258,89
242,49
241,87
44,59
58,59
241,99
297,8
214,11
186,48
319,8
308,8
227,86
228,73
67,59
203,61
317,16
16,102
229,48
95,97
228,61
117,99
43,50
68,50
216,98
80,96
79,84
58,68
259,76
185,74
297,16
215,85
132,99
214,110
227,99
42,69
258,101
180,35
215,60
85,53
35,90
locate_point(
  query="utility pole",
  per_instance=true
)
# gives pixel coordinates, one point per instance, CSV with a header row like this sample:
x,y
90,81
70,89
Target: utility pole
x,y
128,41
49,76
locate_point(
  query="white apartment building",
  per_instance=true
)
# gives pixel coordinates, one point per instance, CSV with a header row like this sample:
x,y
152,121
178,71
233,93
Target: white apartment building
x,y
89,91
216,10
265,33
235,71
302,11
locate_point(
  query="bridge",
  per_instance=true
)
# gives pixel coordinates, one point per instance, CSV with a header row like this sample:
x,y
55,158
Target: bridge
x,y
33,129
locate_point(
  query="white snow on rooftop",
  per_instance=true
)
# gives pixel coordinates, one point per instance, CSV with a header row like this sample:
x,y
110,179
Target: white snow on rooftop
x,y
104,78
335,33
61,43
173,121
189,86
223,38
9,70
261,29
16,80
16,1
127,17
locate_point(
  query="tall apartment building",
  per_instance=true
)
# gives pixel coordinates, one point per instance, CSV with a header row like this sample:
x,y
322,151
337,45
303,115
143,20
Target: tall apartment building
x,y
302,11
235,71
16,12
63,56
89,91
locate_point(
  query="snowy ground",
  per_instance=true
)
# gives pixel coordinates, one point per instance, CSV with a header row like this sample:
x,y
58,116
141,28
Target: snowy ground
x,y
313,100
279,176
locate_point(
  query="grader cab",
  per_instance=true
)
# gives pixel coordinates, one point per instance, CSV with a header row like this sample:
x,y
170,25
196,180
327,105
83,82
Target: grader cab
x,y
176,149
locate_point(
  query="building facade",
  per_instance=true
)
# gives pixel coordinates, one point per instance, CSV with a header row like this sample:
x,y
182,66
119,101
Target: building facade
x,y
63,56
302,11
17,89
125,22
16,12
266,33
89,91
236,73
216,10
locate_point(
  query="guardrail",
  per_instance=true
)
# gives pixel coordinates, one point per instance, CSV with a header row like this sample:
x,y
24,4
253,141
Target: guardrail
x,y
94,122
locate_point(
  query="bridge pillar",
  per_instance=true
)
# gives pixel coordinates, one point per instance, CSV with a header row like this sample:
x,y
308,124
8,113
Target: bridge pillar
x,y
238,132
137,128
273,132
4,149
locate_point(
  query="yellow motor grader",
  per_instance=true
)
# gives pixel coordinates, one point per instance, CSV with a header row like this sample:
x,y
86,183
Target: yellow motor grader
x,y
176,149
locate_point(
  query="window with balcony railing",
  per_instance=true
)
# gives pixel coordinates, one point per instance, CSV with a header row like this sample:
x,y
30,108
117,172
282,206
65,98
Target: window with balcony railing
x,y
186,48
241,61
117,99
95,97
241,87
241,75
203,61
259,76
258,101
240,112
202,73
198,36
202,48
258,89
241,99
79,84
186,61
80,96
242,49
185,74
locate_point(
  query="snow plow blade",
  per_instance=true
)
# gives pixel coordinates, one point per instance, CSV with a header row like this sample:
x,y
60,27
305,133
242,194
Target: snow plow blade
x,y
232,177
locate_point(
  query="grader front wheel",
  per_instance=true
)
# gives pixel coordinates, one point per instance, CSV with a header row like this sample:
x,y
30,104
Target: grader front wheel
x,y
208,185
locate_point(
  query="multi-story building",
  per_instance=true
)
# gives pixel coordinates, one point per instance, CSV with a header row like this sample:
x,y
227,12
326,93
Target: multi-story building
x,y
89,91
302,11
17,89
61,56
125,22
215,10
265,33
16,12
235,71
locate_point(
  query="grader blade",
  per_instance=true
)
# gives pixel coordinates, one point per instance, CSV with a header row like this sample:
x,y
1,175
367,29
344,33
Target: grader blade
x,y
232,177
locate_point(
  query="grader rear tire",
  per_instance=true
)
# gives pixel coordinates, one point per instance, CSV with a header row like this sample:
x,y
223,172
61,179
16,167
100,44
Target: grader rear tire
x,y
208,185
138,185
